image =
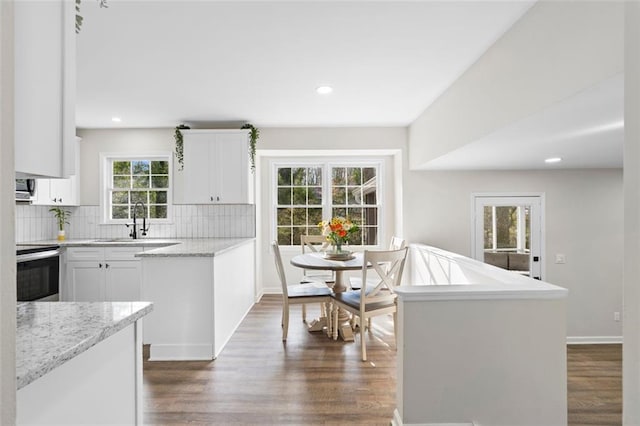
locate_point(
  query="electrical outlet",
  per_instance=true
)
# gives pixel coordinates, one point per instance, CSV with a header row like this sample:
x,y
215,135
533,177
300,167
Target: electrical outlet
x,y
561,258
616,316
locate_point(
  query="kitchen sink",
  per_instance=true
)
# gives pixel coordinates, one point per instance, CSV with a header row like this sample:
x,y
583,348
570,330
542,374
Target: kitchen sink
x,y
137,242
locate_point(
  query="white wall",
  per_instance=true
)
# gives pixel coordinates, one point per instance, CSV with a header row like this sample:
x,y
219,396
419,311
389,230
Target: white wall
x,y
631,329
583,220
490,362
556,50
116,141
7,249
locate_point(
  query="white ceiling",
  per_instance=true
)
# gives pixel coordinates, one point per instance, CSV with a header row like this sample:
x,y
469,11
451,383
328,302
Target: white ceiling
x,y
585,130
161,63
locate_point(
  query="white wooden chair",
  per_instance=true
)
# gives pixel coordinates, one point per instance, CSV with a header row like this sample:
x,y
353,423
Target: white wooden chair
x,y
374,299
297,294
396,243
315,244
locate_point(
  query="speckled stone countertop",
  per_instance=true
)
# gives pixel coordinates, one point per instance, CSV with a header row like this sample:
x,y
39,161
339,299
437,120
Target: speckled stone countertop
x,y
196,247
51,333
206,247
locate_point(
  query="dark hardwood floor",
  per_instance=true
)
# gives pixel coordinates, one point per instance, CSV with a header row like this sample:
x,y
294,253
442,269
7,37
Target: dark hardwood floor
x,y
594,383
312,380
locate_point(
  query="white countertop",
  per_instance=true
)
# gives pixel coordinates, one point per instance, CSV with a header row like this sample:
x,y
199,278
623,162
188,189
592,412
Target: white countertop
x,y
49,334
197,247
441,275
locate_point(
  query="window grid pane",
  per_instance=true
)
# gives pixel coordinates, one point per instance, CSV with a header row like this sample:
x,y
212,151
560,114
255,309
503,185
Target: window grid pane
x,y
142,180
299,203
354,196
352,193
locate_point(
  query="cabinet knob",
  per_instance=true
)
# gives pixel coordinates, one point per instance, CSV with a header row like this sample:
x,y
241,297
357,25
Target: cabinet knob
x,y
106,265
99,265
60,199
218,198
211,198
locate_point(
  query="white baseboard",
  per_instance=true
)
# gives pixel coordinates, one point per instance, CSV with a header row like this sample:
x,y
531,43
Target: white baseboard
x,y
593,340
272,290
397,421
182,352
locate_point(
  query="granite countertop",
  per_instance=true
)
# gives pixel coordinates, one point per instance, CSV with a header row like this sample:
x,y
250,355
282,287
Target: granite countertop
x,y
51,333
185,247
206,247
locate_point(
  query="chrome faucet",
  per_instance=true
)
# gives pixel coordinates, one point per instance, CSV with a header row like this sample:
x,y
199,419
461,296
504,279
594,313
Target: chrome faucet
x,y
143,231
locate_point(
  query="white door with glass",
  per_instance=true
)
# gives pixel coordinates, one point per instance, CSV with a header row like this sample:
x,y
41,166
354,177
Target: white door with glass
x,y
507,233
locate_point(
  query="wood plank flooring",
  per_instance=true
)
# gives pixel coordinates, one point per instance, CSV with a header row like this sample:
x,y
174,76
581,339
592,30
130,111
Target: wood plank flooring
x,y
594,383
312,380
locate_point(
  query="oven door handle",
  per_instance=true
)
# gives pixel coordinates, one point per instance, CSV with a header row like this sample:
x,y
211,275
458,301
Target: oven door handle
x,y
37,256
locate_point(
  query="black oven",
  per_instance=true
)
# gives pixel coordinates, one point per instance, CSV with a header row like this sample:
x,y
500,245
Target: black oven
x,y
38,273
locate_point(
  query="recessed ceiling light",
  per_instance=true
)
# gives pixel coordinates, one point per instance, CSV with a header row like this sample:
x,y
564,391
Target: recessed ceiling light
x,y
553,160
324,90
116,119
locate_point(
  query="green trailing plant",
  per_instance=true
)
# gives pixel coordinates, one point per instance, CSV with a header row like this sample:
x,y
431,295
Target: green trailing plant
x,y
254,134
102,3
61,215
180,144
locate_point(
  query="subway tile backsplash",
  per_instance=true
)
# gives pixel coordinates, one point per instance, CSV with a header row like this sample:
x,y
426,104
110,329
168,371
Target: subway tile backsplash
x,y
35,223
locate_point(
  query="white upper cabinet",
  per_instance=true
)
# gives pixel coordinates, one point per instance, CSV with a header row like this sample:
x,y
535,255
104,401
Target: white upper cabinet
x,y
216,167
44,88
60,192
57,192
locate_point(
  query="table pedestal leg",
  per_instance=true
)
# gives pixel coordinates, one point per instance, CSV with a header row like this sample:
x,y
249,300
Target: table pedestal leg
x,y
341,317
318,324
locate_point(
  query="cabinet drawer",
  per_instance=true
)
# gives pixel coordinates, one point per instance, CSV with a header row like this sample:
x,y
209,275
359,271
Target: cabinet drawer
x,y
85,253
122,253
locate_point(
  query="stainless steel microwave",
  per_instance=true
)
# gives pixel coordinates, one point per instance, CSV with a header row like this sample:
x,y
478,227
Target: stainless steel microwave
x,y
25,188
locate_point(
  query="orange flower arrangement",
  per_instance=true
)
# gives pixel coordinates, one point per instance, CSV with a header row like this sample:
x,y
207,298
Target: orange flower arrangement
x,y
337,230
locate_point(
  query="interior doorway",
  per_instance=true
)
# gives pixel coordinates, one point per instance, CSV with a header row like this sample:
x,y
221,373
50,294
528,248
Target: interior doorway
x,y
508,232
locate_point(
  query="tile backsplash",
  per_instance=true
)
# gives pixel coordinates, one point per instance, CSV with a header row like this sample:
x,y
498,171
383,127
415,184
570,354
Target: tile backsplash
x,y
35,223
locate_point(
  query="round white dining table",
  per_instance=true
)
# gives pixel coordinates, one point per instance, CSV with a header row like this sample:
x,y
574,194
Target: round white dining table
x,y
317,260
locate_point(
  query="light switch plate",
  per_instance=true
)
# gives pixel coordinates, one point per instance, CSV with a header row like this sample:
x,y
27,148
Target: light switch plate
x,y
560,258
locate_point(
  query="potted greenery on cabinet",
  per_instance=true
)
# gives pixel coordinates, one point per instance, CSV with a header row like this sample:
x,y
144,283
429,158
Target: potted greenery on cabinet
x,y
62,217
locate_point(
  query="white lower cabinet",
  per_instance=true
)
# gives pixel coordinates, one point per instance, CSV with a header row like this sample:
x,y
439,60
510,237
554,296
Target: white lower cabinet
x,y
102,274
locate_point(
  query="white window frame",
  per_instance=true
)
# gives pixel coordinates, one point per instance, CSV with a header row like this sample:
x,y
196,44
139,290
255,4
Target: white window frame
x,y
327,163
105,173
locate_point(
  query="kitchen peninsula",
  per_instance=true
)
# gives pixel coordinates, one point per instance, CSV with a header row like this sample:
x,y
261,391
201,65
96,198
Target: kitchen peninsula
x,y
201,288
59,346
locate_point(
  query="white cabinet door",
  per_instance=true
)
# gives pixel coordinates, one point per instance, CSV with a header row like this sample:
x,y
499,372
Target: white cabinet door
x,y
86,281
44,87
61,191
103,274
231,159
123,281
197,164
216,167
56,192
